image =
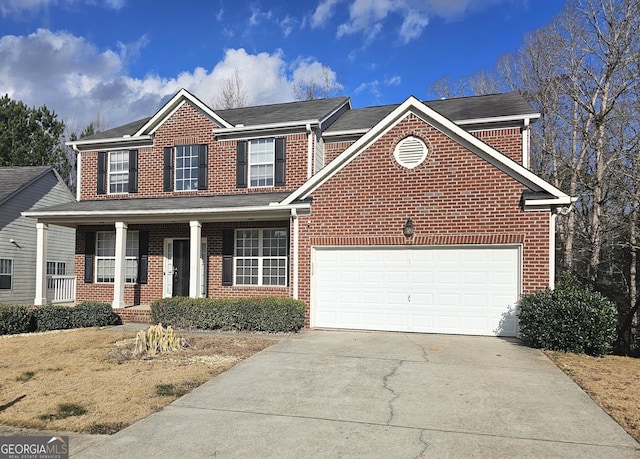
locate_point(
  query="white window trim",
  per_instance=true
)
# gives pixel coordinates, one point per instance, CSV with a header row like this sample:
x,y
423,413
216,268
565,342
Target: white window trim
x,y
126,184
175,167
10,274
260,258
57,268
127,258
272,163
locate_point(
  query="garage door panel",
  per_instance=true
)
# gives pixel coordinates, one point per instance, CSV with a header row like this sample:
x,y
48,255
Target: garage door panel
x,y
459,290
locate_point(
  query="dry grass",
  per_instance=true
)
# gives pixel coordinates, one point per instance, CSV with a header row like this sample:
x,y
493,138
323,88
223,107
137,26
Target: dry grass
x,y
611,381
92,369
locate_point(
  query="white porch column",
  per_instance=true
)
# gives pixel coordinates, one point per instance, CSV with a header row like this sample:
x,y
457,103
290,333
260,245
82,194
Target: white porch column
x,y
552,249
119,272
42,233
296,230
195,253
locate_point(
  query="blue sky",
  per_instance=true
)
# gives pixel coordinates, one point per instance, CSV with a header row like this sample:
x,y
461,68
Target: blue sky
x,y
121,59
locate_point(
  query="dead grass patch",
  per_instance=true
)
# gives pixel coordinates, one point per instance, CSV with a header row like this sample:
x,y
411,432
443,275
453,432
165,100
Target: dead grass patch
x,y
611,381
49,378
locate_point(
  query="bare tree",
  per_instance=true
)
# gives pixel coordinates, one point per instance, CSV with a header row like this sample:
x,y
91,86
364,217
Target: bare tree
x,y
231,93
322,87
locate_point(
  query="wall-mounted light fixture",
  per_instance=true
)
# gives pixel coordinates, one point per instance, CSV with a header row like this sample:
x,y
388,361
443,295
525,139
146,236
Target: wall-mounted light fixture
x,y
408,228
13,241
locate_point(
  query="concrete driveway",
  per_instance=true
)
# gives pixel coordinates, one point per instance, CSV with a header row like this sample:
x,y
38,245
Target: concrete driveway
x,y
331,394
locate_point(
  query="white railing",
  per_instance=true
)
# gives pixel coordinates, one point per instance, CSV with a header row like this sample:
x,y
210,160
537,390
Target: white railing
x,y
61,289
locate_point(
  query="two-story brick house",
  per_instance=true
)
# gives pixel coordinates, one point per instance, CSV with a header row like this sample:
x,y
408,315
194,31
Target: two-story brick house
x,y
421,216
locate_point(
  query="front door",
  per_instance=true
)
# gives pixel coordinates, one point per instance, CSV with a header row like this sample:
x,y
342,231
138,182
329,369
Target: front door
x,y
180,267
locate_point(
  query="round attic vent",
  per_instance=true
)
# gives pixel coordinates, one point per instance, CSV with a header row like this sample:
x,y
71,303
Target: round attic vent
x,y
410,152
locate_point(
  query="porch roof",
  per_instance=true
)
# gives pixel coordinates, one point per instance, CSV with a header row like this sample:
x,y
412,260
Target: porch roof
x,y
236,207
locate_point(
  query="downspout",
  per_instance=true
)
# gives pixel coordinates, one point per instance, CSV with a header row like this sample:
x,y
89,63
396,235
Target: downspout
x,y
525,143
296,228
552,249
78,172
309,151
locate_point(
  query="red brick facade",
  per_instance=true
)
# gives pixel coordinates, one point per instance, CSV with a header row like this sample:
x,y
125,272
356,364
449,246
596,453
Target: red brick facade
x,y
454,198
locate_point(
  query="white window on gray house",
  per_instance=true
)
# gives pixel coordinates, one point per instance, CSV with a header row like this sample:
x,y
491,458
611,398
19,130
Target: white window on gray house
x,y
186,168
56,268
106,256
118,172
261,257
6,273
262,156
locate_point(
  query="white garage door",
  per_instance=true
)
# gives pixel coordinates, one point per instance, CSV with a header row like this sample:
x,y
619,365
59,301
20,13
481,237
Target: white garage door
x,y
457,290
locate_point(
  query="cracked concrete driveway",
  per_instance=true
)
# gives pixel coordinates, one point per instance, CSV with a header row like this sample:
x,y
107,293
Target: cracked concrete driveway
x,y
366,394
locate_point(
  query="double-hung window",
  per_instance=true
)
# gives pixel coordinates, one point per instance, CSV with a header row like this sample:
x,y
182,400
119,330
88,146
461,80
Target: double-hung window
x,y
261,256
185,167
261,162
118,172
6,273
106,256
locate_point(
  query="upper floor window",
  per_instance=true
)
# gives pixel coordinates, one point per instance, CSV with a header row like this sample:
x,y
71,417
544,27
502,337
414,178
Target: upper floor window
x,y
117,172
185,168
6,273
260,163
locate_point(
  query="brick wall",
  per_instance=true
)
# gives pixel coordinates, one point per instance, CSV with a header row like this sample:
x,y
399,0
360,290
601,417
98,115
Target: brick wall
x,y
189,126
454,197
147,293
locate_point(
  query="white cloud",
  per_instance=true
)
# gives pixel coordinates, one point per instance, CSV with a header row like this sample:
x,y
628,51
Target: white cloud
x,y
369,17
8,7
323,13
78,81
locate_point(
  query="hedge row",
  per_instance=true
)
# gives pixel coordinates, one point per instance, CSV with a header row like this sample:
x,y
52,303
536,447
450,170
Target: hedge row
x,y
22,319
270,314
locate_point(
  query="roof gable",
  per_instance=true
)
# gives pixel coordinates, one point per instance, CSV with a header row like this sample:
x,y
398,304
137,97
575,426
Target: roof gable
x,y
14,179
443,124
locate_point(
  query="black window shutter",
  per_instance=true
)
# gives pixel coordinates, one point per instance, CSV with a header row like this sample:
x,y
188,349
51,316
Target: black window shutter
x,y
280,161
89,251
202,166
102,173
227,257
167,171
143,262
133,171
242,164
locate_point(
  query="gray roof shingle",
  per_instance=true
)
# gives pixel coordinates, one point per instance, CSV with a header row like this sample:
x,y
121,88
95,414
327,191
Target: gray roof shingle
x,y
166,204
457,110
15,178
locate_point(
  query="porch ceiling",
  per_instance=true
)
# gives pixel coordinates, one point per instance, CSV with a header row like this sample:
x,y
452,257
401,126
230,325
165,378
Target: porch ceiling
x,y
237,207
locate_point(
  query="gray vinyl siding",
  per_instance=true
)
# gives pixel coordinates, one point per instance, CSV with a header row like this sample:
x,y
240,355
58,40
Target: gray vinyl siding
x,y
46,191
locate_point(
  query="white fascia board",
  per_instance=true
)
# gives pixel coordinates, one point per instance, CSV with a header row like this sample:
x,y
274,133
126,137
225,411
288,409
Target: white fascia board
x,y
170,106
272,207
498,119
345,132
449,128
98,143
265,127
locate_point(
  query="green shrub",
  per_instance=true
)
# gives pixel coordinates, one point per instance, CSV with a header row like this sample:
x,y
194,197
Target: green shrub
x,y
270,314
569,319
93,314
15,319
53,317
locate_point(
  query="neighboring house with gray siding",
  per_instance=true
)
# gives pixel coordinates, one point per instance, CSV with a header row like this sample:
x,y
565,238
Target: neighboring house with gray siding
x,y
23,189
